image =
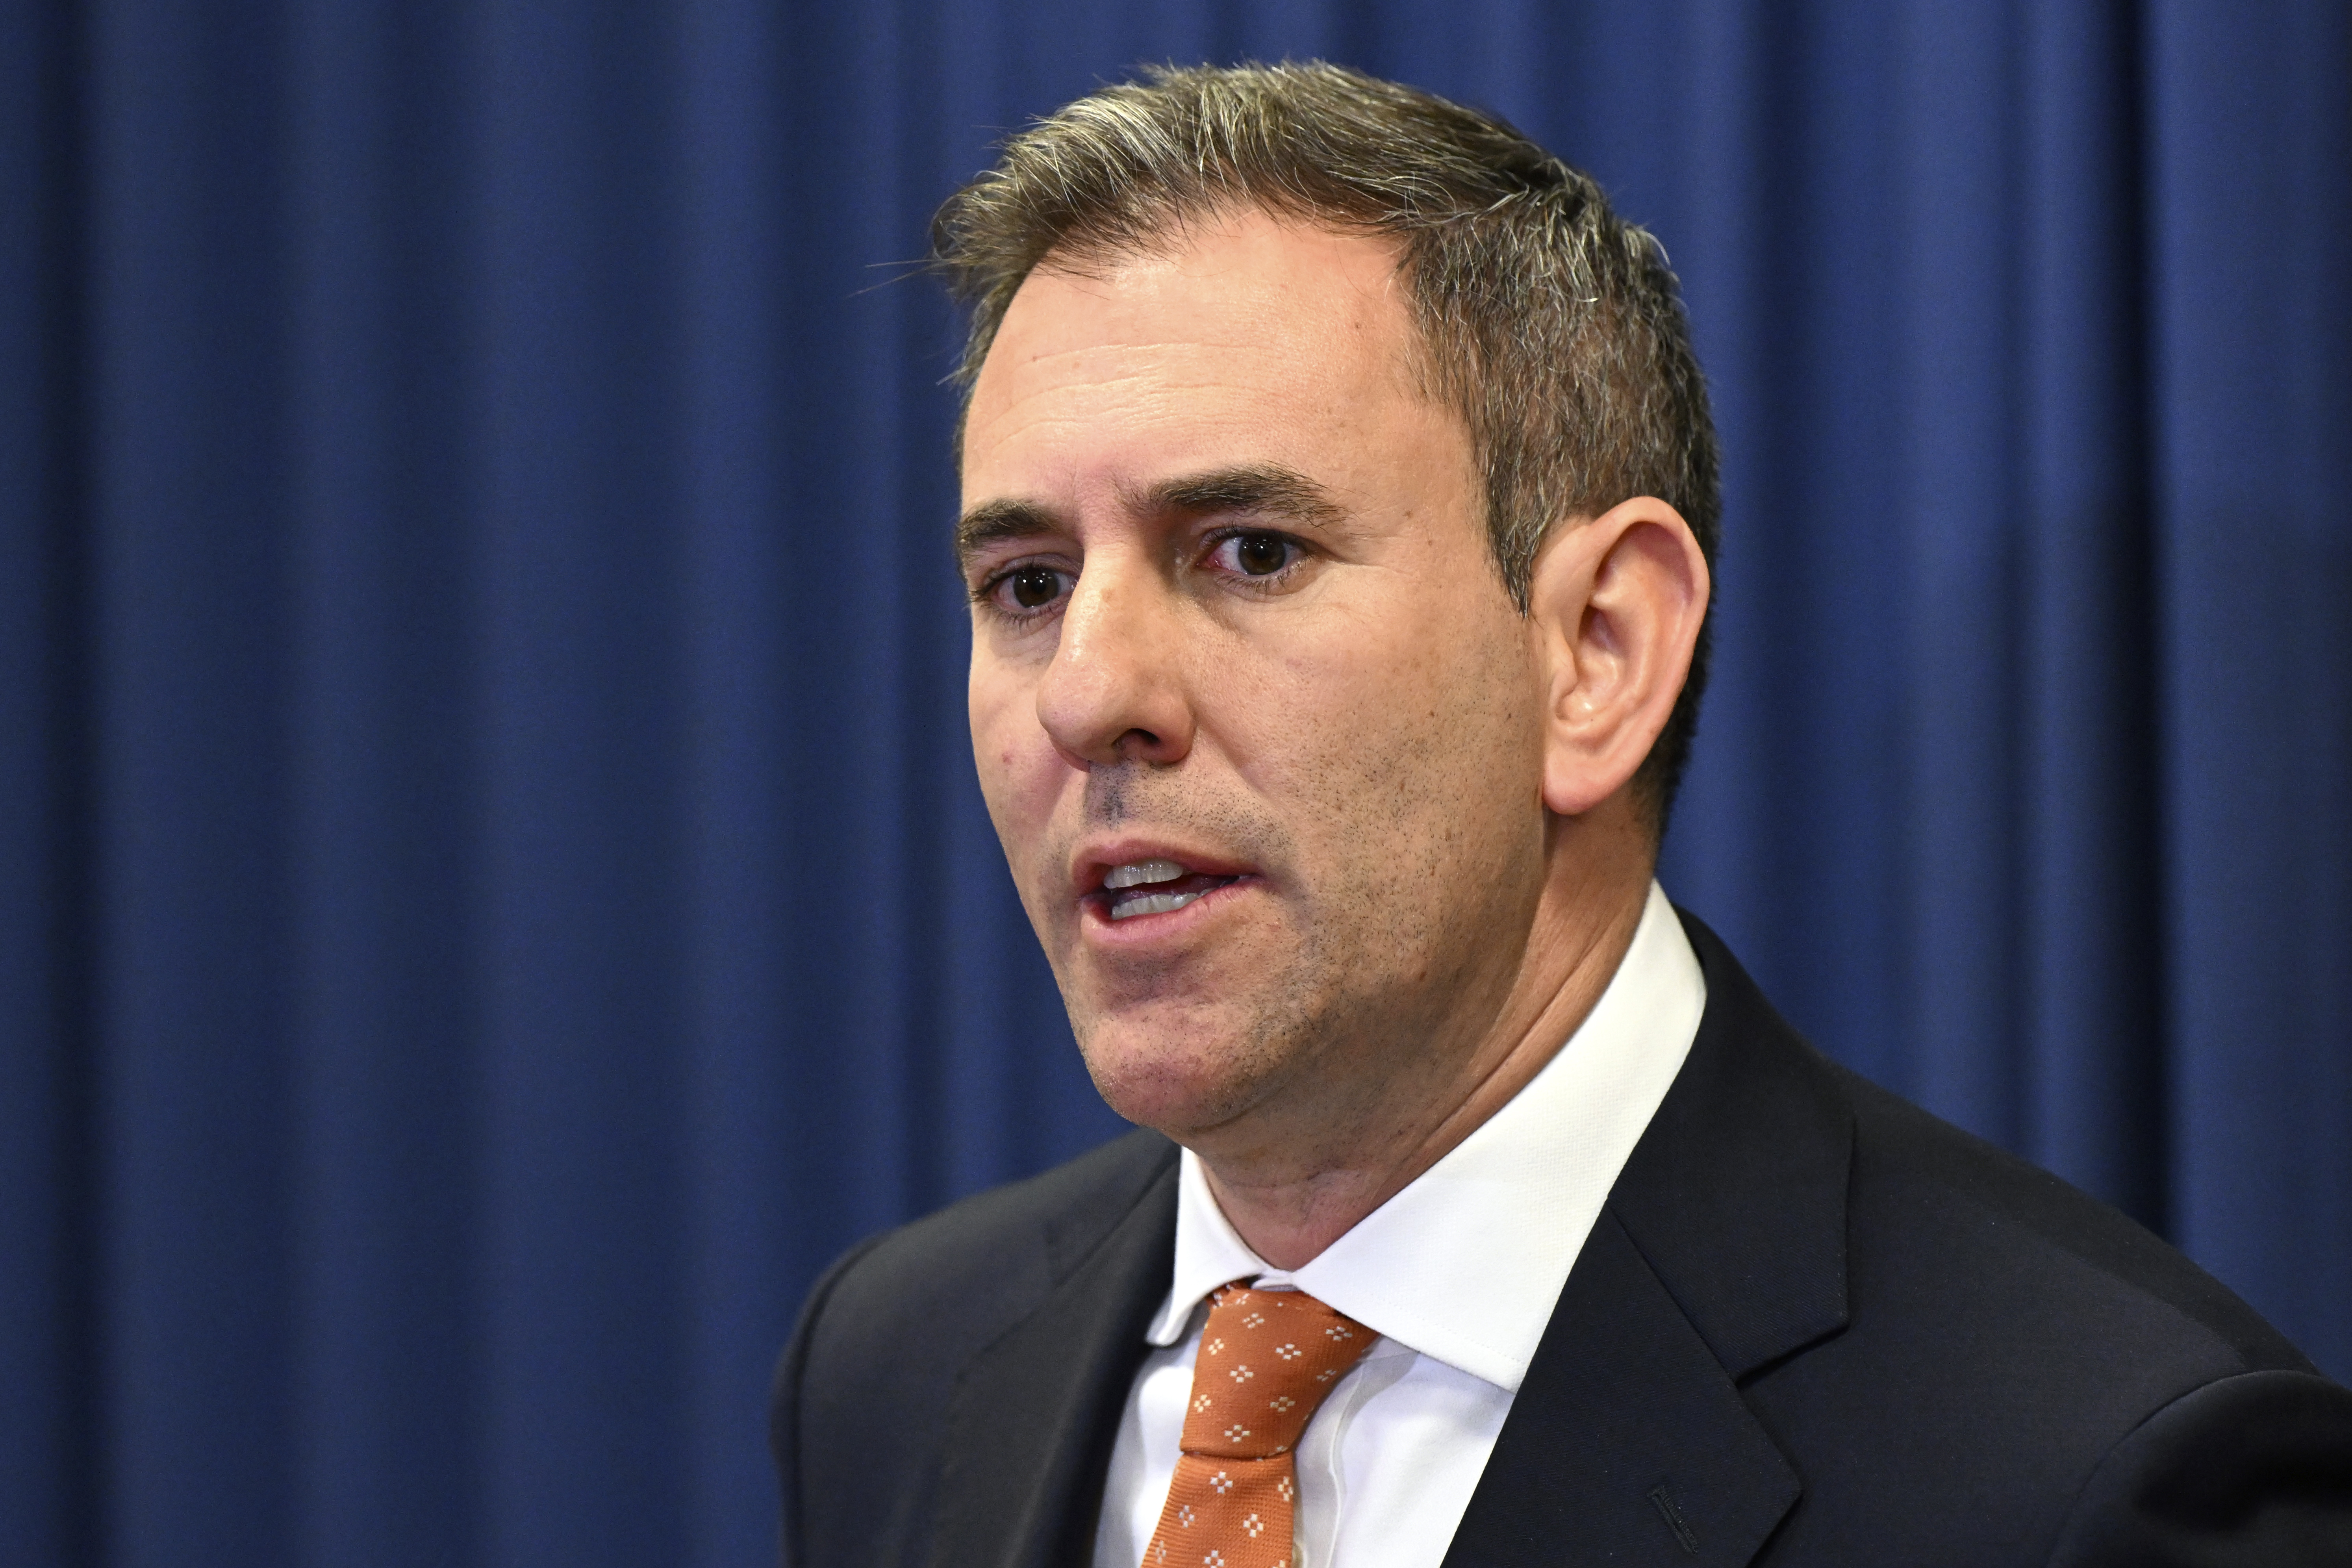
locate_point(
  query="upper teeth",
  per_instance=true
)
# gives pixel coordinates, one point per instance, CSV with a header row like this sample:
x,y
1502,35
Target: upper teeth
x,y
1136,873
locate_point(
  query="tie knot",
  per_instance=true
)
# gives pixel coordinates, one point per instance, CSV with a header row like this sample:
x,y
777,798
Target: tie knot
x,y
1268,1359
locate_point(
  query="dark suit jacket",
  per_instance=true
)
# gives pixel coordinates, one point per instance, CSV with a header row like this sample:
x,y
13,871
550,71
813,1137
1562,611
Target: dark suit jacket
x,y
1813,1324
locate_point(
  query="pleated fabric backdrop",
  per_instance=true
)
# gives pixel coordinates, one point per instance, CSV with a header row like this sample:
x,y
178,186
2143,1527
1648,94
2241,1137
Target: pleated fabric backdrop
x,y
492,894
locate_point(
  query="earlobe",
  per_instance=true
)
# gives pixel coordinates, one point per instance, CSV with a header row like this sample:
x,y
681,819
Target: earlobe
x,y
1617,602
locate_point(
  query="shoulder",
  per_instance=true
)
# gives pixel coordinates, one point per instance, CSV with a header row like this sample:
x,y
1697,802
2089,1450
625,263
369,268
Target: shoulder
x,y
1988,1364
1910,1235
2037,1261
974,1268
2058,1351
2029,1364
864,1388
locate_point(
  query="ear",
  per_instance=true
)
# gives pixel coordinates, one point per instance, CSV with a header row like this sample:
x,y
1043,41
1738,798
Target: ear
x,y
1616,603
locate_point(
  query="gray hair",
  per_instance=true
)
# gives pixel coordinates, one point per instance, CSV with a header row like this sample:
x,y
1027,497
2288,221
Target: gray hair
x,y
1550,323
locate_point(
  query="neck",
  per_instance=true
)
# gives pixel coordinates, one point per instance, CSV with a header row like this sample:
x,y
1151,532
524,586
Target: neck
x,y
1289,1211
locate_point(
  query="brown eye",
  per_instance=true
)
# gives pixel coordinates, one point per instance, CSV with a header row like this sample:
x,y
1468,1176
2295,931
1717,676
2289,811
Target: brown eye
x,y
1261,555
1033,587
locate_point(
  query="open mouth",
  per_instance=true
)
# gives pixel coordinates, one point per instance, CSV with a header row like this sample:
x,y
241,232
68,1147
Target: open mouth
x,y
1154,888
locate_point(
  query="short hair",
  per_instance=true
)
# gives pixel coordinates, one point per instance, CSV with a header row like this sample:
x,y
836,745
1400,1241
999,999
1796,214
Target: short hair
x,y
1552,325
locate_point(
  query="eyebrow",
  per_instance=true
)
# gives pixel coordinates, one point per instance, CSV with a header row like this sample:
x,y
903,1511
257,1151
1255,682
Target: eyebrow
x,y
1266,488
993,521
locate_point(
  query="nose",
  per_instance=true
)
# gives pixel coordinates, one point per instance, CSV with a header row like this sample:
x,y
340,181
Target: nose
x,y
1116,690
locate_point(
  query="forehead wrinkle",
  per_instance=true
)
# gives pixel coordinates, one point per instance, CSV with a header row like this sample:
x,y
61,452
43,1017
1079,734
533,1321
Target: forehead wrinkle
x,y
1142,375
1028,396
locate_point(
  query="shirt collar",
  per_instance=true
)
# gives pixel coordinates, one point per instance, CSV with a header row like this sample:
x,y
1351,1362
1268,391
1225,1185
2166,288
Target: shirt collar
x,y
1466,1263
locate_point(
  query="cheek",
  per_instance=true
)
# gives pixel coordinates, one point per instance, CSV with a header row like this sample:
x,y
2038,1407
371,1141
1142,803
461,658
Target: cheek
x,y
1394,689
994,708
1020,774
1389,747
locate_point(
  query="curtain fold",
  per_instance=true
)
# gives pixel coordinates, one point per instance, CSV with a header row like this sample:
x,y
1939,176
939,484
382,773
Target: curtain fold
x,y
492,891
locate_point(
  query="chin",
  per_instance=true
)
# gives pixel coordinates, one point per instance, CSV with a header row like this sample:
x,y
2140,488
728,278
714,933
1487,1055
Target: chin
x,y
1177,1074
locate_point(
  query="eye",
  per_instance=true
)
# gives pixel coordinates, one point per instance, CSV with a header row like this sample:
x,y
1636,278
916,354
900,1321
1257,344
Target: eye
x,y
1033,587
1257,554
1025,590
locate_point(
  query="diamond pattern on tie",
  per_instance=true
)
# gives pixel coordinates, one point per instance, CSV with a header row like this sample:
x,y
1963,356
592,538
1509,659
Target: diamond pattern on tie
x,y
1282,1352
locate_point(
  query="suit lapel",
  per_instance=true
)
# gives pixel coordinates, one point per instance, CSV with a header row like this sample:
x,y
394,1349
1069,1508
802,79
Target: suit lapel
x,y
1034,1417
1737,1192
1722,1249
1627,1443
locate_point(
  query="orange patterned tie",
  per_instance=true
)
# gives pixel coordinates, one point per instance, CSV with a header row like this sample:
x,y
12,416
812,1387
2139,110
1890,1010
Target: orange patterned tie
x,y
1268,1358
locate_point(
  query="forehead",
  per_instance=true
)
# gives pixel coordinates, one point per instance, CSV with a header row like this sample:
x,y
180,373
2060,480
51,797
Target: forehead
x,y
1252,338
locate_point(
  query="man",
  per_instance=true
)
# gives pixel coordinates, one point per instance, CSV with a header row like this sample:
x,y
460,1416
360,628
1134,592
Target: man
x,y
1339,498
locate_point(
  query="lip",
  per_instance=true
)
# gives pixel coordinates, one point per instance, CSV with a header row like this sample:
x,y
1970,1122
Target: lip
x,y
1093,862
1096,861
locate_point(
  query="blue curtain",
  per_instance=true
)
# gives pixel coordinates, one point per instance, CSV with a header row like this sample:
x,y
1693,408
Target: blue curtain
x,y
492,892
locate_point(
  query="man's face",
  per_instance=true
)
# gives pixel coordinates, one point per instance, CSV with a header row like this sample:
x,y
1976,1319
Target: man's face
x,y
1255,720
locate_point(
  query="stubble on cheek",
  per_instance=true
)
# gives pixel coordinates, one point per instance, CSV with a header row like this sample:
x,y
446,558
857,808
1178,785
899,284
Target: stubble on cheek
x,y
1343,976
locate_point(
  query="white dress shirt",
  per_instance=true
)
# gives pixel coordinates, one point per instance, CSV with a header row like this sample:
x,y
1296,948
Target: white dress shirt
x,y
1458,1273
